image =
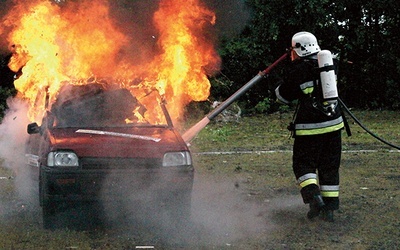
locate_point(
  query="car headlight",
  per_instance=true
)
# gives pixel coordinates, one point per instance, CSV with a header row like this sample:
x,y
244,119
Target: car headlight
x,y
62,159
177,159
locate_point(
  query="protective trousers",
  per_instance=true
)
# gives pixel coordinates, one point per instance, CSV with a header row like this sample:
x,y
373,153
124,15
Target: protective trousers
x,y
316,162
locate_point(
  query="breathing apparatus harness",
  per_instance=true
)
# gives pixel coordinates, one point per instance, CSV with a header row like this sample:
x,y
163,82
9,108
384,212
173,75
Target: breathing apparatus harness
x,y
324,94
330,99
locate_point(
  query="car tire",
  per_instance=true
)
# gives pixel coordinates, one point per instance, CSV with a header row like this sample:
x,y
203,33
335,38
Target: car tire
x,y
49,212
179,208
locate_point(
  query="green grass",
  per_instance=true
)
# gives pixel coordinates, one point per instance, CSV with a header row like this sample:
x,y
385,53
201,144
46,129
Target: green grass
x,y
269,132
370,196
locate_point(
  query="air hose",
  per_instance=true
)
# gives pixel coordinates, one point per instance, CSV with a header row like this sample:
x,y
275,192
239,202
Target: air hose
x,y
365,128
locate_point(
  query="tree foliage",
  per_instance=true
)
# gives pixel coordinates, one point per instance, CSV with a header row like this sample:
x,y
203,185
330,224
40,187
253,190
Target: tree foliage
x,y
6,83
364,34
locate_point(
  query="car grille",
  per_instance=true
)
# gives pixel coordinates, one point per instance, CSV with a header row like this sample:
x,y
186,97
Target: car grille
x,y
119,163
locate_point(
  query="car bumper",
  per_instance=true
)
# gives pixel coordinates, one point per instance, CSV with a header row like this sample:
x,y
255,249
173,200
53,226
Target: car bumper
x,y
110,185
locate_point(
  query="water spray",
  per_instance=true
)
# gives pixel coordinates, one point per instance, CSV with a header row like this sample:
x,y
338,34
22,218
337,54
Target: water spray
x,y
194,130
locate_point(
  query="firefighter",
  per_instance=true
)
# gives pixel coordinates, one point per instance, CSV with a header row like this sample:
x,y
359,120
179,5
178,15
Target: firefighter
x,y
316,125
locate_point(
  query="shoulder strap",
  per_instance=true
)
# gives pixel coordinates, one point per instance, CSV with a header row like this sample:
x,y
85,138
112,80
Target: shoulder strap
x,y
291,124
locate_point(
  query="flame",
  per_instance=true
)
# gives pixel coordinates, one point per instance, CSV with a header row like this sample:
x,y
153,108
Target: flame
x,y
59,42
180,68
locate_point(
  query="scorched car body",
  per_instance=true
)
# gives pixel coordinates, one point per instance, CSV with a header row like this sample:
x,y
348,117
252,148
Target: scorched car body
x,y
85,150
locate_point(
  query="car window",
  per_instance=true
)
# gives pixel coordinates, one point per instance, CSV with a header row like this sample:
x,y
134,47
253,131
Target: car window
x,y
83,106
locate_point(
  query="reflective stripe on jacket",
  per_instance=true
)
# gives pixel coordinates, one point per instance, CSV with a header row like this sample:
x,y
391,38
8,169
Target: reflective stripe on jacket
x,y
301,83
307,87
319,128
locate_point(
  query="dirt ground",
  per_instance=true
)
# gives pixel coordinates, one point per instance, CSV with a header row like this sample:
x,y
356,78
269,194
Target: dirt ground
x,y
244,197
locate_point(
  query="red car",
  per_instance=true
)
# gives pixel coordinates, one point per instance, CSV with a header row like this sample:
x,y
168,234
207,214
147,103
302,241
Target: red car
x,y
86,151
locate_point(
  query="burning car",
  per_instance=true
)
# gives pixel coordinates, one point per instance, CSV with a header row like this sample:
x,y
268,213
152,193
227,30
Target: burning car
x,y
91,146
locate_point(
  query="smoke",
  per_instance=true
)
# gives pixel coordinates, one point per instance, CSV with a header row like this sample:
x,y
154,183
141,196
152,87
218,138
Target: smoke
x,y
13,137
222,215
13,133
135,19
232,16
226,212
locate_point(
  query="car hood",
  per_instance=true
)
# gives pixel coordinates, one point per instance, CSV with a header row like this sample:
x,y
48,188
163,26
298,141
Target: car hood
x,y
136,142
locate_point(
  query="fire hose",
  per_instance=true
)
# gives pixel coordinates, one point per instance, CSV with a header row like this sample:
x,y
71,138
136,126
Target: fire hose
x,y
364,127
193,131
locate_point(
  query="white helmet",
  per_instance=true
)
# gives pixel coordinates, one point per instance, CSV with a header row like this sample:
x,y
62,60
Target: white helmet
x,y
305,44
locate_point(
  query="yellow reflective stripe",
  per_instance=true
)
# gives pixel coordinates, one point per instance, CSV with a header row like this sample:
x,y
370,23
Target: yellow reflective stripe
x,y
308,182
316,125
329,193
308,90
318,131
307,87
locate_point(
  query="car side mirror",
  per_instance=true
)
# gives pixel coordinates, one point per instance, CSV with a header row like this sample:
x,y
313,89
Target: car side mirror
x,y
33,128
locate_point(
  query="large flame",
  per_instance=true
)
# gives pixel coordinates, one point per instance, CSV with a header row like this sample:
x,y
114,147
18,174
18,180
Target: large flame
x,y
54,43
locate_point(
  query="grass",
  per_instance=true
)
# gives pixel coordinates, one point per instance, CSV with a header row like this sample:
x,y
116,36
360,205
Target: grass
x,y
370,175
269,133
261,181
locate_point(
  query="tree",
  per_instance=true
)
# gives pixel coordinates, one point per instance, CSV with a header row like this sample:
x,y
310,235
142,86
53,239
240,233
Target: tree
x,y
363,33
6,83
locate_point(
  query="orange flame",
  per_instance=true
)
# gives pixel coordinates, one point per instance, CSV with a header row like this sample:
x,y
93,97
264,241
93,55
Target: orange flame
x,y
58,43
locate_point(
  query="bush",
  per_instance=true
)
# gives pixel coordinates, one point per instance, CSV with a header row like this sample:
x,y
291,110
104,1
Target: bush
x,y
5,93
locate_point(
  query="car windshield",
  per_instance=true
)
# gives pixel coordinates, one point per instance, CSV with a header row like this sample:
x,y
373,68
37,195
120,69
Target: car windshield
x,y
93,106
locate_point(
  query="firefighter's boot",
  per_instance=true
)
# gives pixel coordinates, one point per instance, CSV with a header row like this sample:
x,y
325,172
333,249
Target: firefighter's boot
x,y
327,215
316,205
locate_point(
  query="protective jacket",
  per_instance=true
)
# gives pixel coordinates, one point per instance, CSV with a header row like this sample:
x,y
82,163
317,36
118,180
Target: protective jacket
x,y
317,145
302,84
